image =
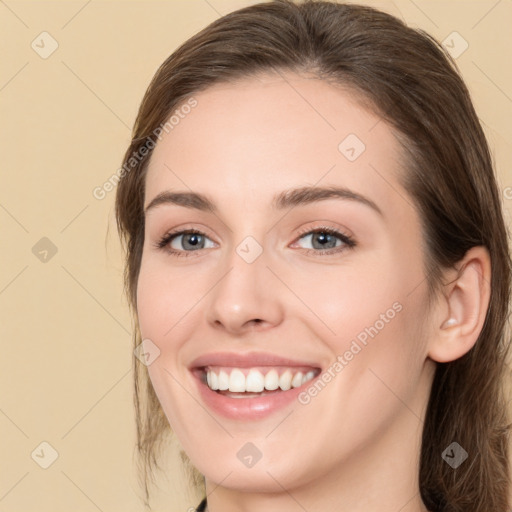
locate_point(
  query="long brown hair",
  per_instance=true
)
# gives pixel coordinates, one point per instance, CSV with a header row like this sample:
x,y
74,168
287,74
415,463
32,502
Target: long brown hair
x,y
406,77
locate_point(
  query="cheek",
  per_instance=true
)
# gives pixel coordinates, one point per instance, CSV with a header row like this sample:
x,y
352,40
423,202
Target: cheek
x,y
152,304
162,305
370,316
382,346
163,299
158,303
344,300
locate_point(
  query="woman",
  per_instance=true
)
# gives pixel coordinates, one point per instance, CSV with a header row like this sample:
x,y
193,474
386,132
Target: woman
x,y
318,266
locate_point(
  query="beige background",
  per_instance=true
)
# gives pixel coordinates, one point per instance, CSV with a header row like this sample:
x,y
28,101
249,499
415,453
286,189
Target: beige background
x,y
65,368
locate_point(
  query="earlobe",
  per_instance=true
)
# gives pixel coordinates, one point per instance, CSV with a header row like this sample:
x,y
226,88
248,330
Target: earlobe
x,y
463,307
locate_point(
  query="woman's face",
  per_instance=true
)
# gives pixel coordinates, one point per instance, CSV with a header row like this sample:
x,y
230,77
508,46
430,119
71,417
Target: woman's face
x,y
264,296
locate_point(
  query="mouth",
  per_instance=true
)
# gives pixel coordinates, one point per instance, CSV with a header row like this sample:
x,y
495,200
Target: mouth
x,y
257,381
250,386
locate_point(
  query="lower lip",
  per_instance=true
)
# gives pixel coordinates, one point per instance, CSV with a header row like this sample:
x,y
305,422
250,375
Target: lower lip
x,y
251,408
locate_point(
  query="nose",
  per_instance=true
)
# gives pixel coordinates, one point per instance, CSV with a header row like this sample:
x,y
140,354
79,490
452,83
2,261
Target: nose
x,y
246,297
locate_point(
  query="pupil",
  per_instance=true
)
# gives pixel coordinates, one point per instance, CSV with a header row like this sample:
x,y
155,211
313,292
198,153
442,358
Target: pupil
x,y
192,240
323,239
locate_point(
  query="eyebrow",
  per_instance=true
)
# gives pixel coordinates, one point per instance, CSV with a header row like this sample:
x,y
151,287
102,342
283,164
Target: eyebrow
x,y
286,199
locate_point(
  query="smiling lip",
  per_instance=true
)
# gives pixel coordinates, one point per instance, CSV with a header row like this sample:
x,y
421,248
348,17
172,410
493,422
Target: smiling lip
x,y
250,408
248,360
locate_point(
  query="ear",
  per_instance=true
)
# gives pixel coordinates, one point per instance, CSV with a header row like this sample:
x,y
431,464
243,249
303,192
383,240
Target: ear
x,y
462,308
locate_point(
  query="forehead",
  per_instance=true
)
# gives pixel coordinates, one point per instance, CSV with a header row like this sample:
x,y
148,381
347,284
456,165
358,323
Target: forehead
x,y
245,141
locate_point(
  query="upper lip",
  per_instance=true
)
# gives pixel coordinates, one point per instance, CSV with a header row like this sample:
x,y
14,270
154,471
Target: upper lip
x,y
247,360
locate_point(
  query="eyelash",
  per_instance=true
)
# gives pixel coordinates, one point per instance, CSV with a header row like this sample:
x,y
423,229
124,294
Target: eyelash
x,y
349,242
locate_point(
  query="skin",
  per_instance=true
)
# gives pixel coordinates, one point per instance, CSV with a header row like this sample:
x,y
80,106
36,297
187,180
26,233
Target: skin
x,y
355,446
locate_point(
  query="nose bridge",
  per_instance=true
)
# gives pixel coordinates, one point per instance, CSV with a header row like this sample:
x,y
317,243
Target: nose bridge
x,y
246,289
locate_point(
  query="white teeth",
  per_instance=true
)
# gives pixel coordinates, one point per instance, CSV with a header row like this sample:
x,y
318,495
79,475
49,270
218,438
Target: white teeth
x,y
236,381
255,381
272,380
285,381
214,381
223,381
308,376
297,380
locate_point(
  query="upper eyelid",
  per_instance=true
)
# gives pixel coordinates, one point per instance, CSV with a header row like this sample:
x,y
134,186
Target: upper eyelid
x,y
327,224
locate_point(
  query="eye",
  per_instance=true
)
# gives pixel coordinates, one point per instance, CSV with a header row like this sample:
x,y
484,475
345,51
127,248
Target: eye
x,y
327,240
180,243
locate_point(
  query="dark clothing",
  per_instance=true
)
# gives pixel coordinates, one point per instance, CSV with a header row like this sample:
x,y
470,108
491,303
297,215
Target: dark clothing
x,y
202,506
